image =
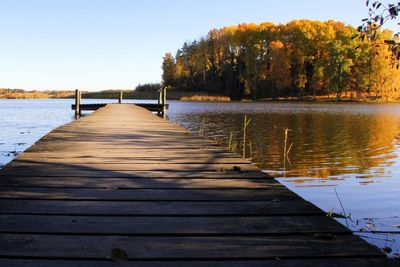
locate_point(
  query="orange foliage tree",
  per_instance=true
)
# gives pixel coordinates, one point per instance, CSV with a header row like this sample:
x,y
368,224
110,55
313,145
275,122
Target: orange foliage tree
x,y
303,58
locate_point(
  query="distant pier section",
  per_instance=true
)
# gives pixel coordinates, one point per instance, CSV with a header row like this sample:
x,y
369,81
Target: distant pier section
x,y
160,107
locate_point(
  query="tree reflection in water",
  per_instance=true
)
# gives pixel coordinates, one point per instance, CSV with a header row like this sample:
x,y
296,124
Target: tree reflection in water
x,y
351,147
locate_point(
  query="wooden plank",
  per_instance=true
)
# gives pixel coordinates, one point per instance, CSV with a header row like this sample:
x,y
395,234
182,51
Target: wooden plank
x,y
90,172
110,182
105,141
124,160
71,146
277,194
101,153
35,167
201,148
84,207
164,225
333,262
127,132
161,247
148,106
143,129
125,153
136,136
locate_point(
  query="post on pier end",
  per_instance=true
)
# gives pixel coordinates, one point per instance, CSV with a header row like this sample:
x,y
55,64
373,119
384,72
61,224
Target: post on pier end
x,y
120,97
164,101
160,99
77,103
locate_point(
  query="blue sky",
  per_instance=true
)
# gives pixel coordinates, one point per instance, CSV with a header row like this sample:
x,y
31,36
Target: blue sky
x,y
99,44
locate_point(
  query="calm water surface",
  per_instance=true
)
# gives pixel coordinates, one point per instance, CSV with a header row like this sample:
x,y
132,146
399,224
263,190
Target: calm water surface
x,y
350,148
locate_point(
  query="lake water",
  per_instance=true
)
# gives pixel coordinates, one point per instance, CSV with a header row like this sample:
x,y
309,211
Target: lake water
x,y
346,153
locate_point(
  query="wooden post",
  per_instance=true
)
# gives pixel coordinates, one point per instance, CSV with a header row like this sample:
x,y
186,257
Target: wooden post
x,y
160,99
77,103
120,98
79,100
164,100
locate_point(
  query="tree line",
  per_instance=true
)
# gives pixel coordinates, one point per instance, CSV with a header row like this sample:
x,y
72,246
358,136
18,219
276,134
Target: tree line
x,y
303,58
7,93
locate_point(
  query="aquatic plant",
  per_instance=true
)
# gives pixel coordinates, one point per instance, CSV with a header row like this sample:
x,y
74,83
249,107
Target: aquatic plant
x,y
341,205
202,127
246,123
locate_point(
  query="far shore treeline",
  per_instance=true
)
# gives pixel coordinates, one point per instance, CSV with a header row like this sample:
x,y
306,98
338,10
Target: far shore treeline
x,y
144,91
300,59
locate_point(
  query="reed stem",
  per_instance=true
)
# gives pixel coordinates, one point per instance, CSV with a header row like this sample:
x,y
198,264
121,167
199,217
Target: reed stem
x,y
246,123
230,141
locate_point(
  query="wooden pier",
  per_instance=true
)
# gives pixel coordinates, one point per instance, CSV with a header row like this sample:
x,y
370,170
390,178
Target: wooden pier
x,y
160,107
124,187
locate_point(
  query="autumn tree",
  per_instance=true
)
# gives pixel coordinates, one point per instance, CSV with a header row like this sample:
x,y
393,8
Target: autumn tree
x,y
302,58
279,68
168,68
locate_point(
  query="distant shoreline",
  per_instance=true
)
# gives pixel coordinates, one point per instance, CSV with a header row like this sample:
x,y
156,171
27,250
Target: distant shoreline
x,y
195,96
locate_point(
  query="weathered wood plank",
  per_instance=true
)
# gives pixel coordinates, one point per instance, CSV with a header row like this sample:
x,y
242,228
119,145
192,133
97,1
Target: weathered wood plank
x,y
159,247
153,154
150,159
277,194
83,207
136,137
164,225
110,181
105,142
90,172
333,262
128,152
32,166
71,147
